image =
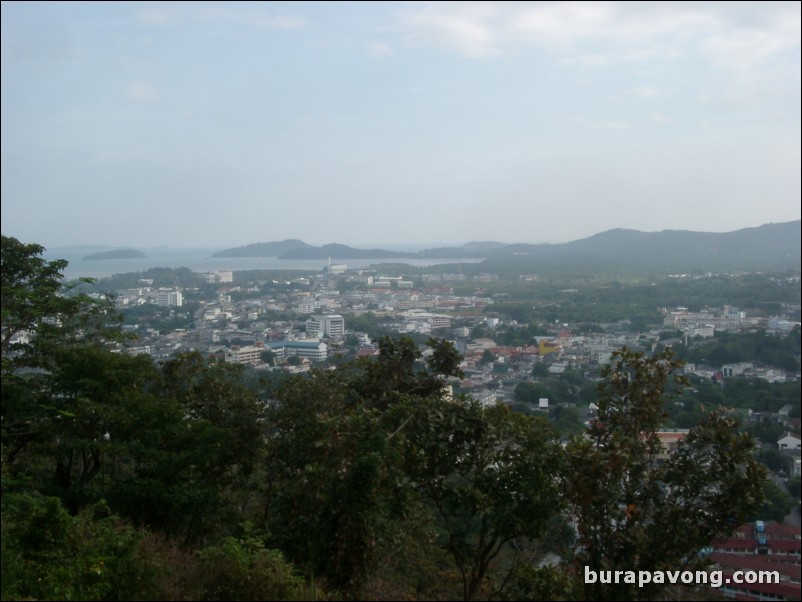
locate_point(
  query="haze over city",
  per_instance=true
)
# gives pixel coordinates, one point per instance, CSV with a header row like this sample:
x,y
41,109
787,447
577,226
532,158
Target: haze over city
x,y
221,124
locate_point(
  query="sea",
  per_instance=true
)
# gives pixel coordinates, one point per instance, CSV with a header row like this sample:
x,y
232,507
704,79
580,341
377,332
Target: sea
x,y
201,260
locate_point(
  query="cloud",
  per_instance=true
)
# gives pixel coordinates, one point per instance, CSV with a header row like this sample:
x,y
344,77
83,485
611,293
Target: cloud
x,y
726,34
243,15
284,22
742,50
379,50
661,118
564,24
141,92
609,124
156,16
466,28
644,91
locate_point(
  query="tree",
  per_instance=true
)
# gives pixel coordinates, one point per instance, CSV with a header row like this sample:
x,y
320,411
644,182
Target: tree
x,y
489,475
30,289
199,439
540,370
36,301
41,320
777,503
794,487
354,453
334,469
635,509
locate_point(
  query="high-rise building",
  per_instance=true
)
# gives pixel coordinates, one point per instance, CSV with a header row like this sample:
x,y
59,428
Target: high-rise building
x,y
170,297
332,326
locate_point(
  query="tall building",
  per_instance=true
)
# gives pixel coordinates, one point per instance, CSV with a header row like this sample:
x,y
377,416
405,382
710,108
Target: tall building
x,y
332,326
170,297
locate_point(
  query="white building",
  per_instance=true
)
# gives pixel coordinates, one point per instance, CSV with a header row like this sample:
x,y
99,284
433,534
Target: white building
x,y
245,355
315,327
169,297
307,307
738,369
332,326
213,277
316,351
790,442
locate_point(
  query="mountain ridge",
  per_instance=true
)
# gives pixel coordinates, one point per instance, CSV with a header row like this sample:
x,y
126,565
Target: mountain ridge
x,y
768,244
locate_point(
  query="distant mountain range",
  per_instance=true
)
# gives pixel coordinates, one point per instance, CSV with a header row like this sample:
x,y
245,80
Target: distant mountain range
x,y
770,245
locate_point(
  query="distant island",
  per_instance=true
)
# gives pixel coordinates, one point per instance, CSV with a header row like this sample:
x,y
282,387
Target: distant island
x,y
116,254
296,249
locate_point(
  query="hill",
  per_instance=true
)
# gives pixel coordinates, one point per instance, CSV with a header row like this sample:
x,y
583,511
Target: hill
x,y
771,246
265,249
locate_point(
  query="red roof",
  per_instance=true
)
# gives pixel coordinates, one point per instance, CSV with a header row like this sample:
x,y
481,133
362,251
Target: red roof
x,y
736,543
790,591
776,530
756,562
785,545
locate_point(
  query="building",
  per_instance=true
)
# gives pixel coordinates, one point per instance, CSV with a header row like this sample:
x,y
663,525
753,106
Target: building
x,y
315,327
245,355
222,277
760,546
331,326
669,440
316,351
739,369
307,307
790,442
169,297
334,326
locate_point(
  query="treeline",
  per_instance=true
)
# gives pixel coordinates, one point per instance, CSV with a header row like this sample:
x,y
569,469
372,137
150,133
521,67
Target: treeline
x,y
123,478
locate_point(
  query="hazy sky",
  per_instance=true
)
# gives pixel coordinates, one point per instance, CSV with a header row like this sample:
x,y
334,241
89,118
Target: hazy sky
x,y
217,124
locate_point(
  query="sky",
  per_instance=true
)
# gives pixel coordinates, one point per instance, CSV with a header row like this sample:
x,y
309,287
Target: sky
x,y
205,124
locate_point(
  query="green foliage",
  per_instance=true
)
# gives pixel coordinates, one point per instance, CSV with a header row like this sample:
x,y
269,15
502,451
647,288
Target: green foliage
x,y
540,370
354,451
369,324
30,289
334,468
50,555
55,325
312,459
794,488
638,510
242,569
268,357
489,476
567,420
527,582
776,505
773,459
727,348
201,439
